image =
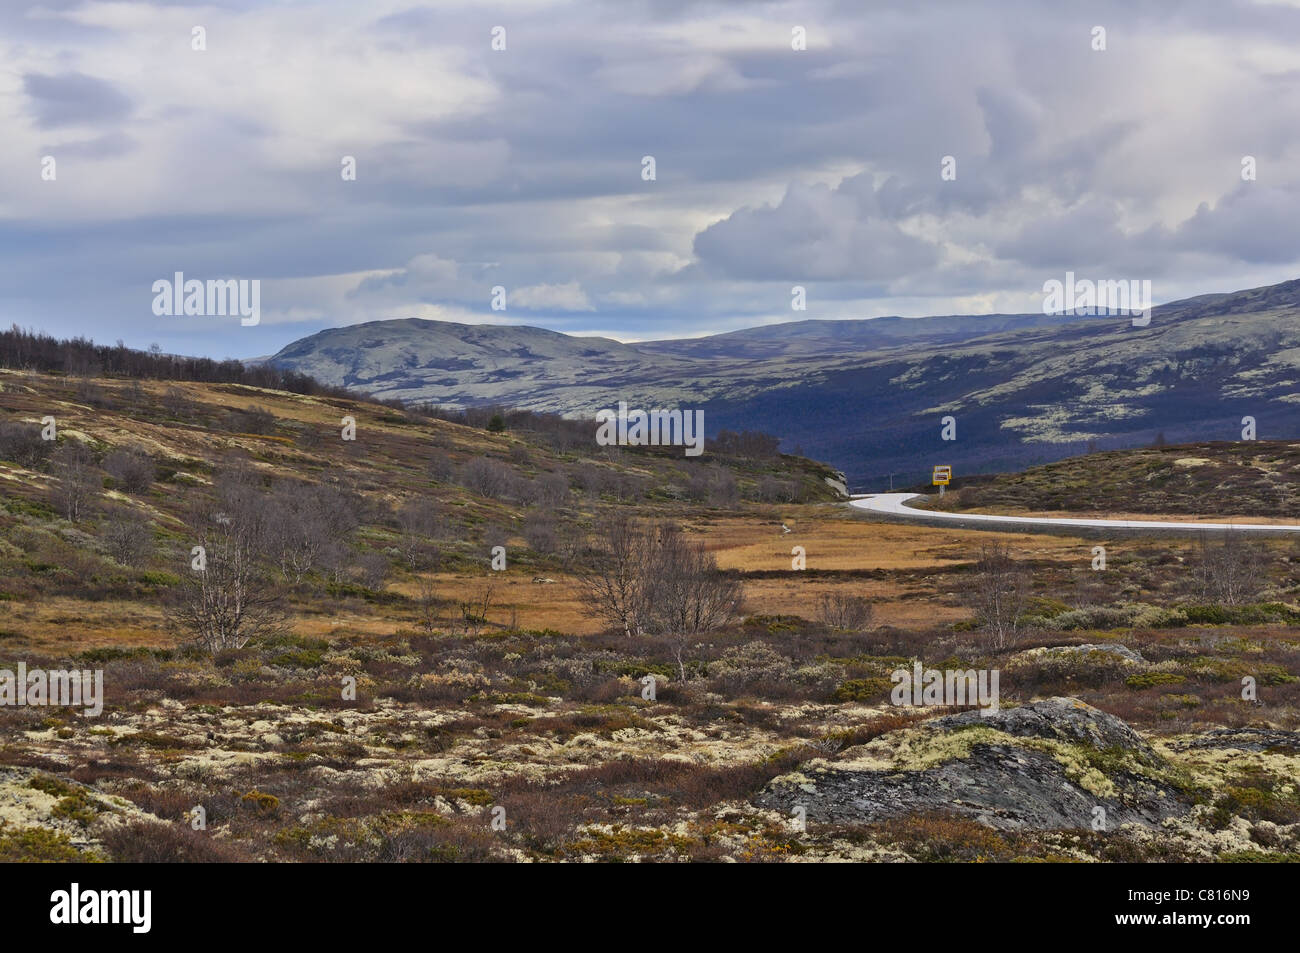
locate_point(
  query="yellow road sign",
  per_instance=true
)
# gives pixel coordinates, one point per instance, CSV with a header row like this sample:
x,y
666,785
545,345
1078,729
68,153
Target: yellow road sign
x,y
942,476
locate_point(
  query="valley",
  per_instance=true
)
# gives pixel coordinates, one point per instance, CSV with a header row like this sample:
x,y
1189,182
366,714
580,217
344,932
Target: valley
x,y
412,703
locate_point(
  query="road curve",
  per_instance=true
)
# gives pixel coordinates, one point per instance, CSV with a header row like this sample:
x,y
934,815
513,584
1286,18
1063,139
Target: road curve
x,y
892,504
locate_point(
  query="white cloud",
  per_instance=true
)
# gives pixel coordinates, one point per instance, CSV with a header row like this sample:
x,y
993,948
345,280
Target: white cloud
x,y
522,168
565,297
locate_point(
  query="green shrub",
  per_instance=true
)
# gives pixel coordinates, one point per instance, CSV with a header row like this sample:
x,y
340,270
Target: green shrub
x,y
1133,615
112,653
1234,670
299,658
863,690
1151,679
1257,614
39,845
261,802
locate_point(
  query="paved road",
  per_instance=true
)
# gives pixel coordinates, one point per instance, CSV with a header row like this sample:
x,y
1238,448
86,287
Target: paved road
x,y
892,504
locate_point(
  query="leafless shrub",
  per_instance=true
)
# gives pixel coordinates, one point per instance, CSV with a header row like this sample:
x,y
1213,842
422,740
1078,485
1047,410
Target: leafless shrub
x,y
419,554
570,543
134,395
772,490
825,747
713,485
592,480
1232,572
615,583
626,487
749,443
550,489
151,842
650,579
128,537
420,520
420,517
441,468
256,420
78,485
177,403
427,604
230,599
686,592
305,524
494,535
335,560
88,392
489,478
372,570
132,468
998,592
474,609
840,610
21,443
539,532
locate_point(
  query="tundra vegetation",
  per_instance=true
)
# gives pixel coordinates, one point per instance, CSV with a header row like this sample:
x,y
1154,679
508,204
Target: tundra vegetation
x,y
350,679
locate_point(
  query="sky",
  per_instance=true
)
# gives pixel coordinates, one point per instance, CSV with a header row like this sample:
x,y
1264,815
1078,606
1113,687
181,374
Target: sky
x,y
1118,154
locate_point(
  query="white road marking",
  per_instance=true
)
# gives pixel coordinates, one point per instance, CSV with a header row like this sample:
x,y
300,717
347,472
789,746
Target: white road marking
x,y
893,504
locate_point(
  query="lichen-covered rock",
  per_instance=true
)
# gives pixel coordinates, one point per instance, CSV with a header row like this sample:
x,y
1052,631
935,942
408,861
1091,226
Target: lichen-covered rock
x,y
31,798
1064,719
1047,765
1122,651
1245,739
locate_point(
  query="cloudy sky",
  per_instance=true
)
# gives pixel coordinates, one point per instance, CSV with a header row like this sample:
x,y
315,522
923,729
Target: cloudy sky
x,y
523,167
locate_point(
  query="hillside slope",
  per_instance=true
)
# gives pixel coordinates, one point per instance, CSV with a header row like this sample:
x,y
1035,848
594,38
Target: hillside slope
x,y
870,399
419,492
1248,478
413,687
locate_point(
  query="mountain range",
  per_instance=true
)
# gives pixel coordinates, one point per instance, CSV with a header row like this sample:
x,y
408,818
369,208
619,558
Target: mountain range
x,y
869,395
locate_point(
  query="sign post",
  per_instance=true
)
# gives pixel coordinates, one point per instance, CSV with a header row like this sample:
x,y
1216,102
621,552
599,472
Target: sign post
x,y
942,477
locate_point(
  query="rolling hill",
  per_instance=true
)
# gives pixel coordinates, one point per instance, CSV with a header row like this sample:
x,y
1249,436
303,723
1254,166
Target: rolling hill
x,y
1247,478
868,396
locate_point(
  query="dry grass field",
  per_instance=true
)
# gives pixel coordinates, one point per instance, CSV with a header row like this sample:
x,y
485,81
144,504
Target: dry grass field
x,y
390,716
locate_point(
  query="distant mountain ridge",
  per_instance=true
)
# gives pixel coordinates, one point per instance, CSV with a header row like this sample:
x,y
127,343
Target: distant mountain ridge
x,y
867,395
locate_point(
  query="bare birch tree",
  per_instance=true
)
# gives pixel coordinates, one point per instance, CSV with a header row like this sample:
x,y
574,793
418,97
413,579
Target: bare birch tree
x,y
651,579
78,485
685,592
1231,572
229,600
615,580
999,592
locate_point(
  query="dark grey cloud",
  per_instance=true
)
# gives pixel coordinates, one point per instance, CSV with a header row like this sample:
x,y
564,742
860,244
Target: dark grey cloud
x,y
1254,223
69,98
814,233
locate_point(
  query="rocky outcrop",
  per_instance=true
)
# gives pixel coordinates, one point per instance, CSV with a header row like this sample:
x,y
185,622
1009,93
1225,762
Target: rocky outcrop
x,y
839,483
1046,765
1245,739
1121,651
1063,719
37,799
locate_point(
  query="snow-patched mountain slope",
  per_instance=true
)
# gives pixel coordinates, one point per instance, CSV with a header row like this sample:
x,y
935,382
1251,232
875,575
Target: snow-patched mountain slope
x,y
869,398
448,363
